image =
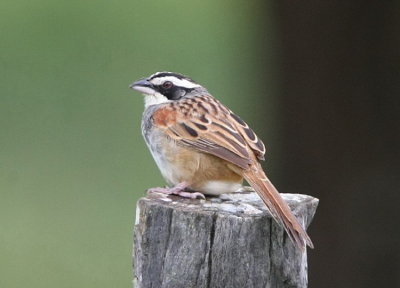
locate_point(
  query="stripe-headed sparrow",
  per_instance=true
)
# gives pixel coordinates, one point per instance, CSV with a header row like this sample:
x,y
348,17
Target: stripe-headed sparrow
x,y
201,146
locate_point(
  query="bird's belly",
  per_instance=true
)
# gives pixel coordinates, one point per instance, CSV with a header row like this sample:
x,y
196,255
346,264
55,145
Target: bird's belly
x,y
217,187
169,159
204,172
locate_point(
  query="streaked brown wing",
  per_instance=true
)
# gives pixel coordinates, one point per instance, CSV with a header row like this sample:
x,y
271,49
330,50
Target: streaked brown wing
x,y
256,145
204,123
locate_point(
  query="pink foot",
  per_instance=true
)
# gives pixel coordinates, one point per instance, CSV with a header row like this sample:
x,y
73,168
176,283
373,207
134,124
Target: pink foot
x,y
178,189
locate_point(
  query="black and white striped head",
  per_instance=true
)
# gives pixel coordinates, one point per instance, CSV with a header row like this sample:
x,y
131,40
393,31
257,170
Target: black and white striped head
x,y
164,87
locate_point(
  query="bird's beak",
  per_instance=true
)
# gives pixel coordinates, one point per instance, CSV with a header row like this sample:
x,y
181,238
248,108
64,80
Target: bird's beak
x,y
143,85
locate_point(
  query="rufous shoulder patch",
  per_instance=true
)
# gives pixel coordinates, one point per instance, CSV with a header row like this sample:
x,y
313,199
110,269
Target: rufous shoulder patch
x,y
164,117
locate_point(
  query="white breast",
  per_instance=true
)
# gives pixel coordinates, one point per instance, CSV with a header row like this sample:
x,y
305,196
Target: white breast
x,y
161,147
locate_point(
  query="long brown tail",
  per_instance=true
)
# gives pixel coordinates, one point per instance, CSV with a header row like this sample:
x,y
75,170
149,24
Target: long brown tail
x,y
277,206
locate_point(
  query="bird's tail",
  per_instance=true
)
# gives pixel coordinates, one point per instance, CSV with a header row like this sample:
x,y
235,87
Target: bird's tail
x,y
277,206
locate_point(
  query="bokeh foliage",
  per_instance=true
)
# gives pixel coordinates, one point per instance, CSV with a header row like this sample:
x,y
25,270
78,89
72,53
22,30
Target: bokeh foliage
x,y
72,160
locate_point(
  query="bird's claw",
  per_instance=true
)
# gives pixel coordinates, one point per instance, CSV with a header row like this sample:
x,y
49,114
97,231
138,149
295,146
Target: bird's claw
x,y
177,190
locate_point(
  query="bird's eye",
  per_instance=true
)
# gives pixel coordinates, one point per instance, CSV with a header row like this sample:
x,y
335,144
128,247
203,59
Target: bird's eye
x,y
167,84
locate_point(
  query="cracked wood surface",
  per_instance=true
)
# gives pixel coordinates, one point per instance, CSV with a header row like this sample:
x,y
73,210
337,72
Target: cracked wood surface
x,y
226,241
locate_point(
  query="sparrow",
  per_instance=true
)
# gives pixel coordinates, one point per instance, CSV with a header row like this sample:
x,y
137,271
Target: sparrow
x,y
202,147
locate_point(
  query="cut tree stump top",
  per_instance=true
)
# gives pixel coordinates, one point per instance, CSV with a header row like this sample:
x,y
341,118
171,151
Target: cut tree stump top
x,y
225,241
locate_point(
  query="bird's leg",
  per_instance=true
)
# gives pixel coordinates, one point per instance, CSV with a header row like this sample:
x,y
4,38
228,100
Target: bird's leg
x,y
178,189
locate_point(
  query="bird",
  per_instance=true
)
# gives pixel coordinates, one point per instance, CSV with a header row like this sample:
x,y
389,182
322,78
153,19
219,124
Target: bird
x,y
202,148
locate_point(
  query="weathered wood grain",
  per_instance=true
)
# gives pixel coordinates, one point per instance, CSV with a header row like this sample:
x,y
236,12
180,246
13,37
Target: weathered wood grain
x,y
230,241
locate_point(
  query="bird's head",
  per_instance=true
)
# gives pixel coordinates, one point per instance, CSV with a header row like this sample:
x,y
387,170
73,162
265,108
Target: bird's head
x,y
163,87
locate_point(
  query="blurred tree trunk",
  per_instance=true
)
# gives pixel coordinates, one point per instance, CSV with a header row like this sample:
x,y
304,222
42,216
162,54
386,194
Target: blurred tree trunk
x,y
340,140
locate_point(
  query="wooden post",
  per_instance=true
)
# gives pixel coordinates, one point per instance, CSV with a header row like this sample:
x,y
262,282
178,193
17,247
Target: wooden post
x,y
228,241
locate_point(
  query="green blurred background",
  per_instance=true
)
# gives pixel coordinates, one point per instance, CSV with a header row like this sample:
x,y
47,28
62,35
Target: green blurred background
x,y
318,81
72,159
